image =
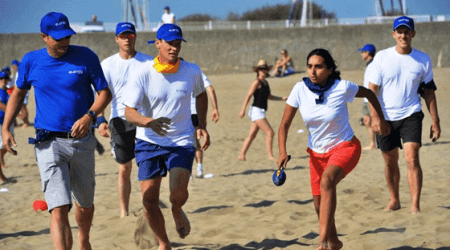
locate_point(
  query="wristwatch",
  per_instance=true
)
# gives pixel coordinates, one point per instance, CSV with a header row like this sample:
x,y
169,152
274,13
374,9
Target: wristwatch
x,y
92,114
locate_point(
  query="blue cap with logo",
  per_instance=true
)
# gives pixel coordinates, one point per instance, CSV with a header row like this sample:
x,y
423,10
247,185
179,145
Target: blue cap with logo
x,y
404,21
3,74
56,25
169,32
15,62
368,47
124,27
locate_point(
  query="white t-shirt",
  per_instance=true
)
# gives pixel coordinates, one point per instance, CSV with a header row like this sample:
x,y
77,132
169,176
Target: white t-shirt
x,y
167,18
206,84
327,123
399,77
158,95
369,68
117,71
12,83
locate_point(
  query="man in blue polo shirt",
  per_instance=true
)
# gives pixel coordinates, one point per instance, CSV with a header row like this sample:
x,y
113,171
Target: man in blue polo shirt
x,y
62,76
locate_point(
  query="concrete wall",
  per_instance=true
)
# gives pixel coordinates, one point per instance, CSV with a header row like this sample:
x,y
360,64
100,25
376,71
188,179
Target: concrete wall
x,y
236,51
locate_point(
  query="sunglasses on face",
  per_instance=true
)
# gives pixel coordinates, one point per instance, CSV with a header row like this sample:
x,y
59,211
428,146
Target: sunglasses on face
x,y
129,36
59,40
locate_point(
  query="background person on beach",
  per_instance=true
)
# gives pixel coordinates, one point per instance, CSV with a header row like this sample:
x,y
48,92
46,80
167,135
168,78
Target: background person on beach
x,y
214,117
4,97
334,149
284,65
62,76
399,75
157,100
23,114
367,54
260,91
117,69
167,16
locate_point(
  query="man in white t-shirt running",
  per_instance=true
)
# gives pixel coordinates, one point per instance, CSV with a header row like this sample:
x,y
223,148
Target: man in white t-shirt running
x,y
367,54
167,17
158,102
117,68
400,74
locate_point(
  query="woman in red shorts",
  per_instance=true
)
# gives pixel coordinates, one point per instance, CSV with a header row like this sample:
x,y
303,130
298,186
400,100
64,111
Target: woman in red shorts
x,y
334,149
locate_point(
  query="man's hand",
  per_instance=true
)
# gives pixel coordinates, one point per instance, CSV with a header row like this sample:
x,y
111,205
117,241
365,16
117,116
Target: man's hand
x,y
104,130
82,126
435,130
8,139
215,116
380,127
203,133
159,125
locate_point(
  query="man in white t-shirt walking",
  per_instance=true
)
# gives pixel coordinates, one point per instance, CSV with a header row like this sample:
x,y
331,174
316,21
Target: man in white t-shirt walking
x,y
117,68
167,17
158,102
367,54
400,74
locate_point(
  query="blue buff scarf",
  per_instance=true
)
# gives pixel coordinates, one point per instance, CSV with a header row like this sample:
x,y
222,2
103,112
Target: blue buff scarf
x,y
316,88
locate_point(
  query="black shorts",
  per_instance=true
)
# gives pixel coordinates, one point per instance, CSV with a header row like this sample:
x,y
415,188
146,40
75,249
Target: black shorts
x,y
408,129
123,136
195,120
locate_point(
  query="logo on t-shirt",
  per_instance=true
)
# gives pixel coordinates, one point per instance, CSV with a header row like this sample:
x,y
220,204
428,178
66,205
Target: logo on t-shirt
x,y
76,72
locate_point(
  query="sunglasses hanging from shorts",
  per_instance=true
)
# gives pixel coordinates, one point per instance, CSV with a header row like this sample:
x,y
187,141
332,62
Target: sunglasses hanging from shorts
x,y
129,36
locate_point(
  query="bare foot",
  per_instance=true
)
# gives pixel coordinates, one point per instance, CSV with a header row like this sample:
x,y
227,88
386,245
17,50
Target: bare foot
x,y
123,214
330,246
393,206
165,247
369,148
241,157
182,223
25,125
271,158
415,210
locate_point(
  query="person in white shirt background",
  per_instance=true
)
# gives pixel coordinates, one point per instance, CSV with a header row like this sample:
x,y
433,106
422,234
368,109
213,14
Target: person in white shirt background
x,y
167,17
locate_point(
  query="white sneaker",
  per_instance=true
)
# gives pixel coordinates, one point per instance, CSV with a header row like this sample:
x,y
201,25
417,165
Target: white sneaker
x,y
199,174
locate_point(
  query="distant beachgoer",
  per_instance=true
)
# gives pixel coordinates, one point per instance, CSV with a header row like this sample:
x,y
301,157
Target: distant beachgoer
x,y
118,68
284,65
367,54
167,17
4,97
214,116
23,114
334,149
62,76
261,93
399,76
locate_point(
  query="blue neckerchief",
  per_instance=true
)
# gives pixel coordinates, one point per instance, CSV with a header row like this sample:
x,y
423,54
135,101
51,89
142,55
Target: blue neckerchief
x,y
315,88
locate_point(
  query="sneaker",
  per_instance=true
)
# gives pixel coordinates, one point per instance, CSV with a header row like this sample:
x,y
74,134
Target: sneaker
x,y
199,175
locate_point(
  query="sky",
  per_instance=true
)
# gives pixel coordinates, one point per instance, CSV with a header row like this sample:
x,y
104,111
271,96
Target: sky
x,y
23,16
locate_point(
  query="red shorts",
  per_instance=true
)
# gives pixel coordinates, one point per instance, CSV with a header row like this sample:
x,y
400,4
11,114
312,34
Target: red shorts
x,y
345,155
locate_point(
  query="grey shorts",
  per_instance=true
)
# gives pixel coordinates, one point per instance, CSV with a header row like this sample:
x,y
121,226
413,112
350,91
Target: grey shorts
x,y
67,168
365,109
123,139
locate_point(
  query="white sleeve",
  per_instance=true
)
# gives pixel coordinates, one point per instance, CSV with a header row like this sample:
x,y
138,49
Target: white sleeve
x,y
351,90
206,81
428,77
135,89
373,72
294,98
198,85
105,68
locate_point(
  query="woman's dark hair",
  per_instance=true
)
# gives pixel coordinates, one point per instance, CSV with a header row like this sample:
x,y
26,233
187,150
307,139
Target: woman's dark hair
x,y
329,61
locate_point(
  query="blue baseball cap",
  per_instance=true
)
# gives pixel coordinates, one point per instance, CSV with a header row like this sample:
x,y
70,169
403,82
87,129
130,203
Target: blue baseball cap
x,y
168,32
124,27
368,47
15,62
404,21
7,70
56,25
166,7
3,74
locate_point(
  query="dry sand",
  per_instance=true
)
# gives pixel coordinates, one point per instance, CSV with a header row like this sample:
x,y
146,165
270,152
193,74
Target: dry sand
x,y
240,208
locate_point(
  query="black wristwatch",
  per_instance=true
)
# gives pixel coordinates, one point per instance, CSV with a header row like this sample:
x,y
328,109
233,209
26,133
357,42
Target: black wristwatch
x,y
92,114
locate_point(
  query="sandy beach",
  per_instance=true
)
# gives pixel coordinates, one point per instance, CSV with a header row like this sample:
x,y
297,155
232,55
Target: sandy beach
x,y
240,207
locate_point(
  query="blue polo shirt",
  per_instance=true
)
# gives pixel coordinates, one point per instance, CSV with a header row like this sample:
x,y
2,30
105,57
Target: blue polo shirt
x,y
62,86
4,97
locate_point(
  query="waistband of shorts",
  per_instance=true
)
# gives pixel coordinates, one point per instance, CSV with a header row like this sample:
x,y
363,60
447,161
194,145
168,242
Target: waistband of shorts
x,y
340,145
65,135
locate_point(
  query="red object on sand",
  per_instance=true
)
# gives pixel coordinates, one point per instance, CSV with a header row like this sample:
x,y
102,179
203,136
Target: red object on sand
x,y
40,205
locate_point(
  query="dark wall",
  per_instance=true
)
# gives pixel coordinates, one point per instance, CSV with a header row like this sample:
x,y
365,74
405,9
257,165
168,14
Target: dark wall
x,y
236,51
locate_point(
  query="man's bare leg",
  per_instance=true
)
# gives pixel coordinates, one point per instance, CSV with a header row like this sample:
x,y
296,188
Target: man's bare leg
x,y
84,216
415,176
60,228
392,174
368,123
150,197
124,186
179,180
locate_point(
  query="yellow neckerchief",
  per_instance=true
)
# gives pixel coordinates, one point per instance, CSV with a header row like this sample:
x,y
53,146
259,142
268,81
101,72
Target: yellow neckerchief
x,y
166,67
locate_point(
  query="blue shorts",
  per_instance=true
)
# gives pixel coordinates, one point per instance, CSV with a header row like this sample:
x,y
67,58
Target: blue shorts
x,y
155,160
